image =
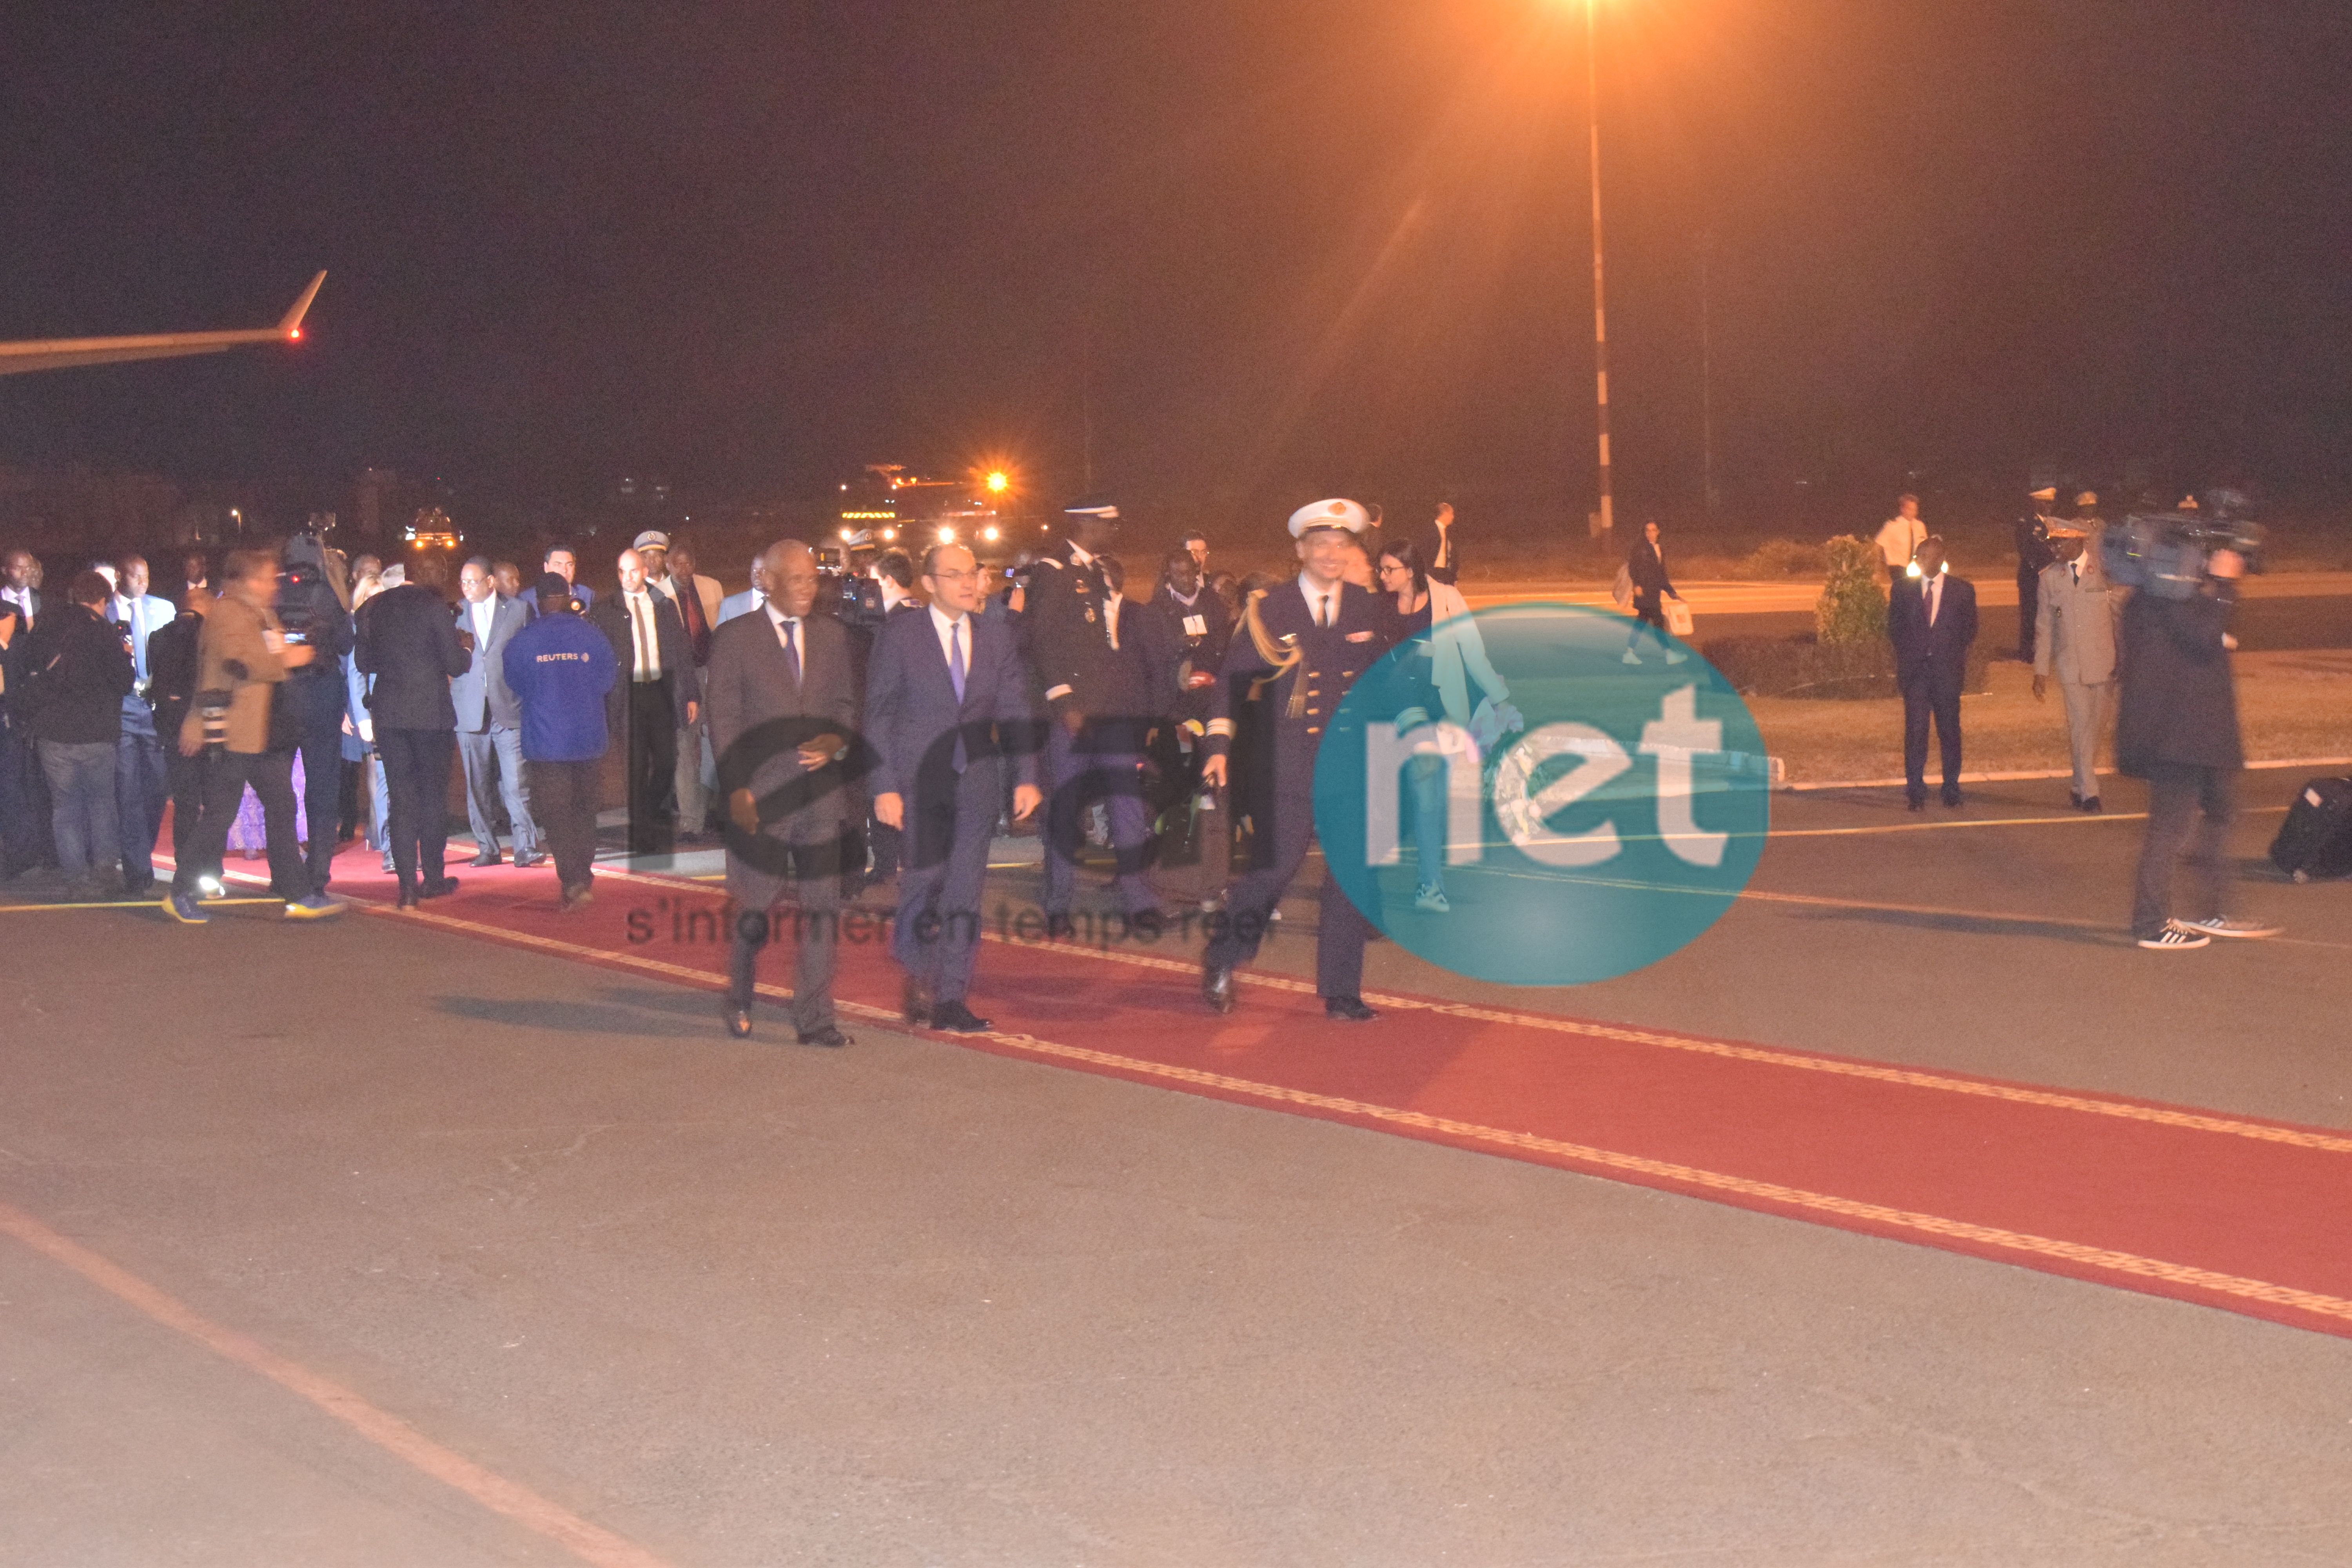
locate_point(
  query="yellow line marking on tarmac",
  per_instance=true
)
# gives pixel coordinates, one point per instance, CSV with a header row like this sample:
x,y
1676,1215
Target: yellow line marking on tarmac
x,y
591,1543
122,904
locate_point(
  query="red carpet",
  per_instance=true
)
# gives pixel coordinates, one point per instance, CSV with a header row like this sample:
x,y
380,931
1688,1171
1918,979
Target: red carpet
x,y
2248,1216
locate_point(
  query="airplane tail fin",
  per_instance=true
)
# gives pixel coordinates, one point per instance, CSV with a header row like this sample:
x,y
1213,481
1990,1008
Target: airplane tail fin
x,y
292,324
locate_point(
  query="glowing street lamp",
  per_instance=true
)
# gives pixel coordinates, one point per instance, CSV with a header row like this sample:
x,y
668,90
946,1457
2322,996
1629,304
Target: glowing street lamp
x,y
999,482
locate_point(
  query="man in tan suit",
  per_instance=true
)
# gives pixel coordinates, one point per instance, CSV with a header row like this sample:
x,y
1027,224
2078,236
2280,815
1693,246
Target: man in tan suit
x,y
2074,639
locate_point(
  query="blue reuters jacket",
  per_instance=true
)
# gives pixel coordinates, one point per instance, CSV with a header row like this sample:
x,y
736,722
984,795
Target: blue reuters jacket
x,y
560,668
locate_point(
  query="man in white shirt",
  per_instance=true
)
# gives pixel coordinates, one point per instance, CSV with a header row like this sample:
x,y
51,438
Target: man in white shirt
x,y
1900,536
142,767
20,585
657,682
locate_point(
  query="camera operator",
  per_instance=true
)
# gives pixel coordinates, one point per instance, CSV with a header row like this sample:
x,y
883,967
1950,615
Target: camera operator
x,y
2178,729
242,657
314,617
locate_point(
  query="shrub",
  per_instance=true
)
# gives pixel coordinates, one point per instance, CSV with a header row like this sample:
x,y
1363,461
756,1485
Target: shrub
x,y
1780,558
1851,609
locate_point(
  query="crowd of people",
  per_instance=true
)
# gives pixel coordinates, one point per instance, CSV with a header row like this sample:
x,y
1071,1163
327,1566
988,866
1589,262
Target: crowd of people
x,y
303,700
2151,667
833,739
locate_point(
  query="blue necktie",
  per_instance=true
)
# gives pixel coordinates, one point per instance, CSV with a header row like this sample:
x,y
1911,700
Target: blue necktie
x,y
955,674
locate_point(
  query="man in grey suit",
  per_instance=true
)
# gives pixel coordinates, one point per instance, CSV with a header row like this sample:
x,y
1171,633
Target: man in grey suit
x,y
2075,640
490,720
782,700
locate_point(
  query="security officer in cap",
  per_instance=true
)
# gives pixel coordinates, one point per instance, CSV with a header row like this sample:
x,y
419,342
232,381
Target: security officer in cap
x,y
1300,648
2034,554
1066,631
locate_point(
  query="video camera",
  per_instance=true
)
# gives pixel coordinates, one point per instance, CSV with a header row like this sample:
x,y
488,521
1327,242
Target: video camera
x,y
2165,553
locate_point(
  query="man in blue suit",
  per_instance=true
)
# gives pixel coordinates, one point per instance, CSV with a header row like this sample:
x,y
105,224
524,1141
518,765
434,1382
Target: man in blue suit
x,y
142,784
749,599
1931,618
560,561
490,720
946,704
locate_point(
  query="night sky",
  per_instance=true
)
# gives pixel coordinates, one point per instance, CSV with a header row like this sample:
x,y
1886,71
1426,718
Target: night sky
x,y
1290,245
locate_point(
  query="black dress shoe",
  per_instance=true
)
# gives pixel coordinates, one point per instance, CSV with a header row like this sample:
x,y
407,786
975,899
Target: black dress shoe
x,y
829,1035
1917,802
957,1019
1217,987
487,857
1348,1010
738,1022
915,1003
2074,798
441,889
2091,802
407,899
1952,796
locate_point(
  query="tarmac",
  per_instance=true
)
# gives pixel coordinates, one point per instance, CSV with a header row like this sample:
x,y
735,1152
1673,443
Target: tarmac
x,y
366,1243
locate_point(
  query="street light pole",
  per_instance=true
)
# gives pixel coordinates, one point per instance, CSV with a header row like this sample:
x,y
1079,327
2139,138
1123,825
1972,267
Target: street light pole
x,y
1599,297
1706,373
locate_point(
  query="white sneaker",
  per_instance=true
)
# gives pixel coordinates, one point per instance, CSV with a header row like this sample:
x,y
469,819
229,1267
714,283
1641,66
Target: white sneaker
x,y
2175,938
1432,899
1675,657
1633,657
2223,925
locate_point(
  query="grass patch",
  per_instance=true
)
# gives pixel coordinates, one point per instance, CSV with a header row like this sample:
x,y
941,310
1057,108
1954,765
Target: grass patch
x,y
2289,705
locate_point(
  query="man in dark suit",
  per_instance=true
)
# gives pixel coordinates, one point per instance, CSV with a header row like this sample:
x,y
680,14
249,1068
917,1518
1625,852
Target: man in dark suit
x,y
1303,643
407,641
172,664
946,705
25,837
657,684
1066,633
783,700
490,720
1931,618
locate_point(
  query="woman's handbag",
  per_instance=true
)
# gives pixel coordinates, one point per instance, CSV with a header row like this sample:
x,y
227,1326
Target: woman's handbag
x,y
1622,589
1678,618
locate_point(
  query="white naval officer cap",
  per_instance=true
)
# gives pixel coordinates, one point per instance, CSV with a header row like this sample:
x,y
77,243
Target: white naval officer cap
x,y
1333,514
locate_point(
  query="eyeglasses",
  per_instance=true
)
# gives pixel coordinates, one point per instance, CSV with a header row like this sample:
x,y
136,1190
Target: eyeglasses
x,y
955,577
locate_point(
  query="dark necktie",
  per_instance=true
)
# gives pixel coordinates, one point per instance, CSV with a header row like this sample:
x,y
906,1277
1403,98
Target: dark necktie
x,y
792,651
698,631
1323,610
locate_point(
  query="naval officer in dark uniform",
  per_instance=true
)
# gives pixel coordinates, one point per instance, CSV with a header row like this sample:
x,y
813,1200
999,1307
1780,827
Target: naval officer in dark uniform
x,y
1090,746
1301,646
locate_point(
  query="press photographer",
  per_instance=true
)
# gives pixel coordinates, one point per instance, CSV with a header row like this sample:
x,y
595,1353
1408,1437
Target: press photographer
x,y
2178,726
